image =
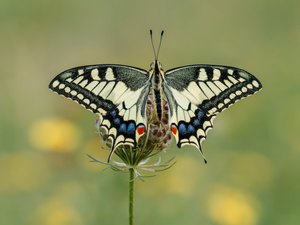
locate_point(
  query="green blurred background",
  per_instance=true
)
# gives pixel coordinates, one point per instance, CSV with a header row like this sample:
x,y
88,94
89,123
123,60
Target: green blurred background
x,y
252,175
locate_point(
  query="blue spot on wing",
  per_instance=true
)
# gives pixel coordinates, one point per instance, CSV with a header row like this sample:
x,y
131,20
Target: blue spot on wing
x,y
131,129
182,129
191,129
200,115
113,113
122,128
117,122
196,122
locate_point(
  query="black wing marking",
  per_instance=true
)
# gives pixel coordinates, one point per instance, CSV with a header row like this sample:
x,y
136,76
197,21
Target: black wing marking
x,y
197,93
117,93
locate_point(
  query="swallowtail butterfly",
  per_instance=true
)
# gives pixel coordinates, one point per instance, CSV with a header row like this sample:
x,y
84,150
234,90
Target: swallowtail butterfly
x,y
118,94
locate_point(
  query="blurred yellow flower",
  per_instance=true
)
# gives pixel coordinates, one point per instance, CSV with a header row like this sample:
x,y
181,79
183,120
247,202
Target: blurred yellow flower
x,y
54,134
57,212
231,207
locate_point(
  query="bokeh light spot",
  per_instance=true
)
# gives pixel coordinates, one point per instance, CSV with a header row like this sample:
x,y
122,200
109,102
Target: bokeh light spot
x,y
54,134
228,206
57,212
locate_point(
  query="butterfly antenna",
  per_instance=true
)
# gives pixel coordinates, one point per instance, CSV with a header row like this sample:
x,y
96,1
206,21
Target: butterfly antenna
x,y
155,56
161,35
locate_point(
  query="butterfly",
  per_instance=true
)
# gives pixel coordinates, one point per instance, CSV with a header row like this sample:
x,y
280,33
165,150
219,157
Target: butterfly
x,y
195,94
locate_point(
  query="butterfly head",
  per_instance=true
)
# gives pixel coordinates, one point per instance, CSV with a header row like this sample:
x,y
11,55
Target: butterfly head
x,y
156,65
156,68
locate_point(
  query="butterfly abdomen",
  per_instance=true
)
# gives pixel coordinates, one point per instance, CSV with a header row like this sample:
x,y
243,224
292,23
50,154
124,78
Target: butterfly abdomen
x,y
158,103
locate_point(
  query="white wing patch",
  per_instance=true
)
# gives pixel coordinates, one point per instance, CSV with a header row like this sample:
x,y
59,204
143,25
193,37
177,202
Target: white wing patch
x,y
99,87
232,79
228,83
216,74
107,90
180,114
184,101
130,101
255,84
220,85
230,71
92,85
55,83
95,74
80,71
118,91
109,74
206,90
197,92
61,86
213,88
83,83
124,96
202,75
78,79
189,94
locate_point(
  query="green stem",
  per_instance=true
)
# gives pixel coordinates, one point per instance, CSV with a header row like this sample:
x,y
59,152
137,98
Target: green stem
x,y
131,195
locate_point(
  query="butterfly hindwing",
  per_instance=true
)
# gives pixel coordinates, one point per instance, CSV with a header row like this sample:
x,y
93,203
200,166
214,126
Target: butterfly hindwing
x,y
117,93
197,93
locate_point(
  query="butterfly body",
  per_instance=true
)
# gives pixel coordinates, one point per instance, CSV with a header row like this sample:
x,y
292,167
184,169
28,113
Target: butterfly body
x,y
156,75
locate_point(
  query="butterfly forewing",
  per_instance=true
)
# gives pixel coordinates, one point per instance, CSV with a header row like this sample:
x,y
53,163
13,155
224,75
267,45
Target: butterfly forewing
x,y
117,93
197,93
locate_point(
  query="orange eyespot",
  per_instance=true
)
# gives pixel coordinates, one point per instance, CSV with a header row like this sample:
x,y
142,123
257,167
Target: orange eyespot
x,y
141,129
174,129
